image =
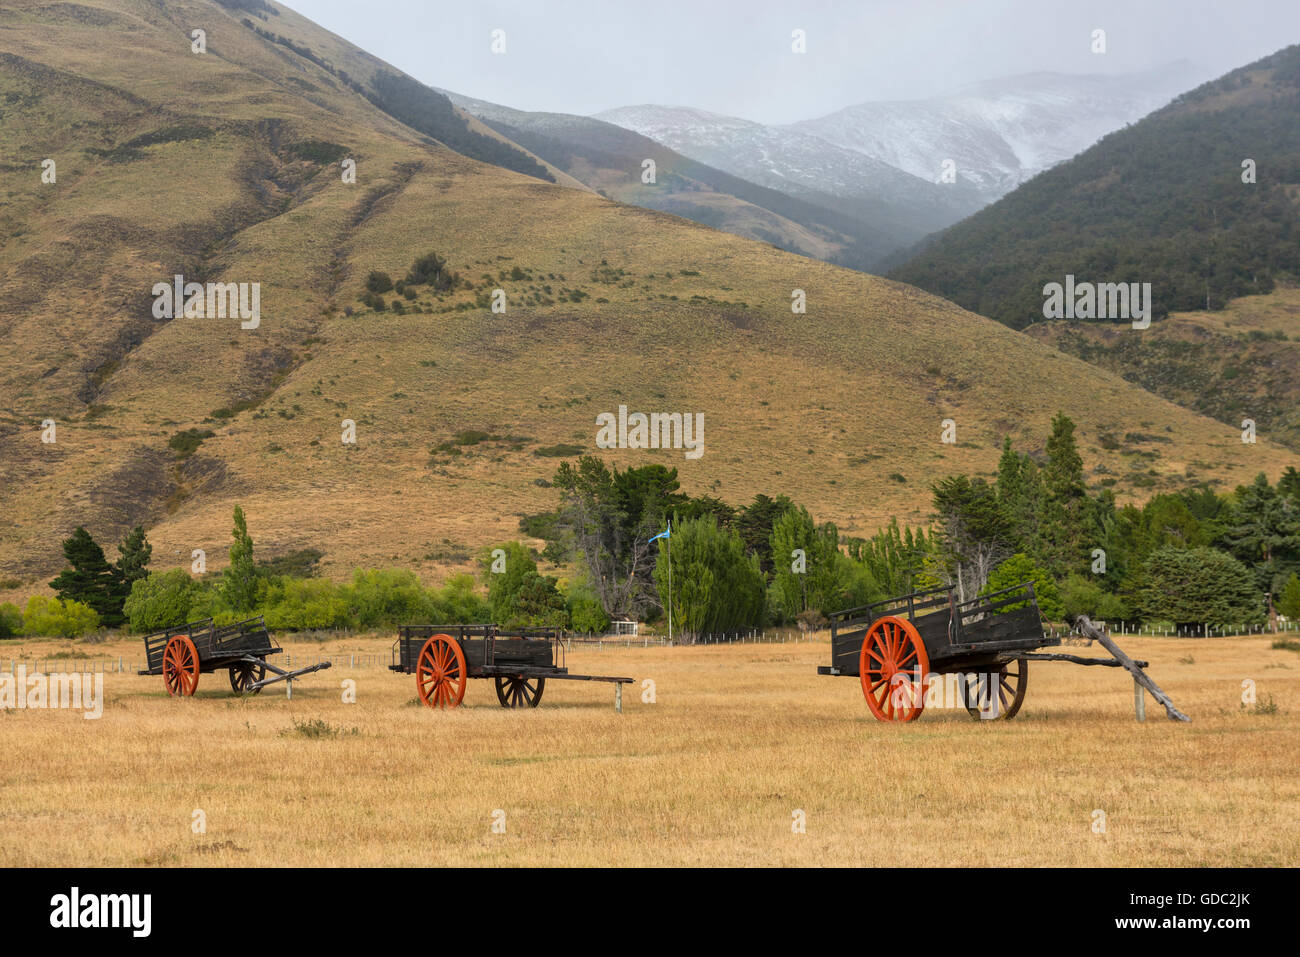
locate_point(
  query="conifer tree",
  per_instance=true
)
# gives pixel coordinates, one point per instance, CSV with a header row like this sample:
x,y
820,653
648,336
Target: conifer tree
x,y
90,579
1264,533
134,553
1068,524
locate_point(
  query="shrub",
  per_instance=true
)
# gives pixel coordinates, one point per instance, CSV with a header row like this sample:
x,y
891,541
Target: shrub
x,y
387,596
58,617
1081,595
431,269
186,443
379,282
161,600
11,620
458,600
586,612
317,151
299,564
563,450
303,603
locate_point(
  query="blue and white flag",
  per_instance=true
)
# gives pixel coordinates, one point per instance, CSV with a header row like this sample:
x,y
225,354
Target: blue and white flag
x,y
666,533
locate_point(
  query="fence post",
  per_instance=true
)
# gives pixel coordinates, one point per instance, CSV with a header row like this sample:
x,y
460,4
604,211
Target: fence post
x,y
1139,701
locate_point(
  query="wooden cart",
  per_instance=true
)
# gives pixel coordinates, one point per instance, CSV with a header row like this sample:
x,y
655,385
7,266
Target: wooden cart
x,y
182,653
896,647
519,660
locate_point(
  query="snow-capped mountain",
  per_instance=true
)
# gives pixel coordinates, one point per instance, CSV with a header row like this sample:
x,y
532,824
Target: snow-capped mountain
x,y
783,158
997,134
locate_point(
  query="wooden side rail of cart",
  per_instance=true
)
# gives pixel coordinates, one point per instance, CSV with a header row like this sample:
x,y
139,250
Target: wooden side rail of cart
x,y
519,660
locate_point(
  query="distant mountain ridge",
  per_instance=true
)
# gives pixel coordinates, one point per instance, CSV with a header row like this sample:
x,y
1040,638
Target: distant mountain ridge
x,y
1001,133
1163,201
856,231
997,134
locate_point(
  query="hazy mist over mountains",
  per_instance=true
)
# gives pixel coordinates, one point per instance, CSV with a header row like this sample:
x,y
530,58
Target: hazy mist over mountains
x,y
998,133
898,170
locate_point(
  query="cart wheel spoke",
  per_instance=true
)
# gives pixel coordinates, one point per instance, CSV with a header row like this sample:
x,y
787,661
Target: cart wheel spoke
x,y
1013,680
440,672
891,650
180,666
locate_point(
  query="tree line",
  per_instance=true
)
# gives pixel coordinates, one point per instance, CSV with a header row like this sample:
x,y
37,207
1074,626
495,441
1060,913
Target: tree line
x,y
1188,558
1193,557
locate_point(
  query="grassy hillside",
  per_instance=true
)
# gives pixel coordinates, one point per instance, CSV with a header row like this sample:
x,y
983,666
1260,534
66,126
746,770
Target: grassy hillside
x,y
225,166
1161,201
608,158
1239,362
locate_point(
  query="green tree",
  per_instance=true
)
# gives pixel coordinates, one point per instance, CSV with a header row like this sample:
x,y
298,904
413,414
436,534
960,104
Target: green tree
x,y
518,594
716,586
457,601
810,572
1289,485
384,597
1289,603
585,613
239,580
894,557
1068,530
754,524
609,517
1264,533
134,553
1019,490
1020,568
1195,586
1085,595
161,600
90,579
972,531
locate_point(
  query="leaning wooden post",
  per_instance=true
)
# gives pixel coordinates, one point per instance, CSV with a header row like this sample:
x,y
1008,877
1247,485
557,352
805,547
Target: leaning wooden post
x,y
1084,624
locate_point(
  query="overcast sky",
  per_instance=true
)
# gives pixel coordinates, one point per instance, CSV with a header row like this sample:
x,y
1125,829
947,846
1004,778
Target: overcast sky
x,y
734,56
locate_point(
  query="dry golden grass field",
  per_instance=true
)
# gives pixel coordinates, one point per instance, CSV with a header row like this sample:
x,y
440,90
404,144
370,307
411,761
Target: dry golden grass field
x,y
738,739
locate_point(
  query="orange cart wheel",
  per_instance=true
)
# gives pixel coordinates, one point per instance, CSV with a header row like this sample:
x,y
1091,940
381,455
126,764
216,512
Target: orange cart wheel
x,y
893,667
440,672
180,666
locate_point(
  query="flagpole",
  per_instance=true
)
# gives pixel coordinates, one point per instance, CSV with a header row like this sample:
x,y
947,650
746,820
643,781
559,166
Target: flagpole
x,y
670,584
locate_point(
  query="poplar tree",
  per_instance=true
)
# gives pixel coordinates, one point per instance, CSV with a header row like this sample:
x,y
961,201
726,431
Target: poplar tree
x,y
716,587
239,580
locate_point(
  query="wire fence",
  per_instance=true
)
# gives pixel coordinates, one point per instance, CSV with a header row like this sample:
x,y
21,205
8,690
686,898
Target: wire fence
x,y
124,665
